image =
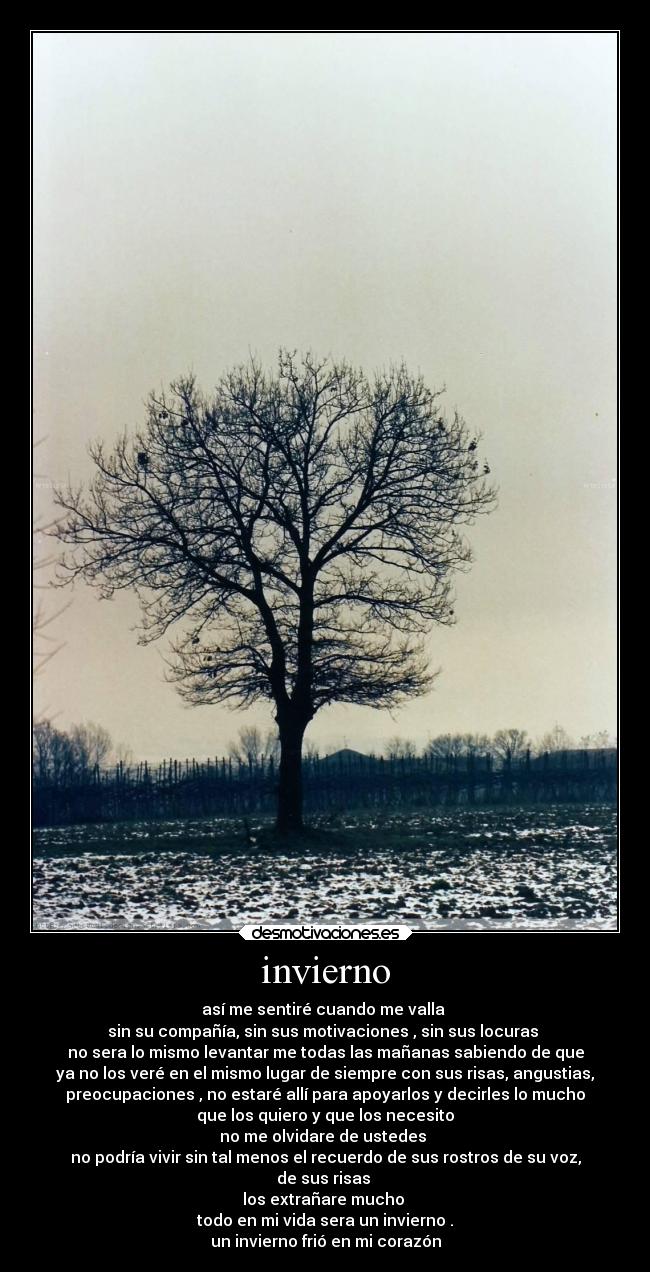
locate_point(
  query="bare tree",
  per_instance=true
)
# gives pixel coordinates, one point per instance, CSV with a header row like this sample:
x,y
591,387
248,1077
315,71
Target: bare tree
x,y
51,752
447,746
122,753
252,745
305,527
400,749
92,745
247,746
556,740
272,746
601,741
61,757
510,744
475,744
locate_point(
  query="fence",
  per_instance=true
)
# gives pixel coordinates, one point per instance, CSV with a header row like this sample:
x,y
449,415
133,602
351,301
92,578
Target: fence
x,y
229,788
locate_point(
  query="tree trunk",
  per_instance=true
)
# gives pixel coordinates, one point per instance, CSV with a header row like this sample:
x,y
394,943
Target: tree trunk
x,y
289,817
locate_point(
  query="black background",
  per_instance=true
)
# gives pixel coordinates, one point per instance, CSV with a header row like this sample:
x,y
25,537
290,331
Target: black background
x,y
566,985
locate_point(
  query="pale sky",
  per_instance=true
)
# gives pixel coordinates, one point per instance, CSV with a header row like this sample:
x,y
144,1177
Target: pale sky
x,y
448,199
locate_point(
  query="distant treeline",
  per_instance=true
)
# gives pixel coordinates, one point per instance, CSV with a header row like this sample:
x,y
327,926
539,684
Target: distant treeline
x,y
234,785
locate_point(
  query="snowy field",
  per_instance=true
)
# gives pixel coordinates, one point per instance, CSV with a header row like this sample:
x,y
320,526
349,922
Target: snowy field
x,y
539,867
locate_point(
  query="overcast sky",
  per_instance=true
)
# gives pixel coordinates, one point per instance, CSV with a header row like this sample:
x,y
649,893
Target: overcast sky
x,y
449,199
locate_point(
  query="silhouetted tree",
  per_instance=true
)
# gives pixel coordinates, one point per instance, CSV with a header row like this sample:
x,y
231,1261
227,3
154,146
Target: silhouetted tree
x,y
304,525
92,746
447,746
122,753
475,744
400,749
53,753
556,740
61,757
252,745
510,744
601,741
